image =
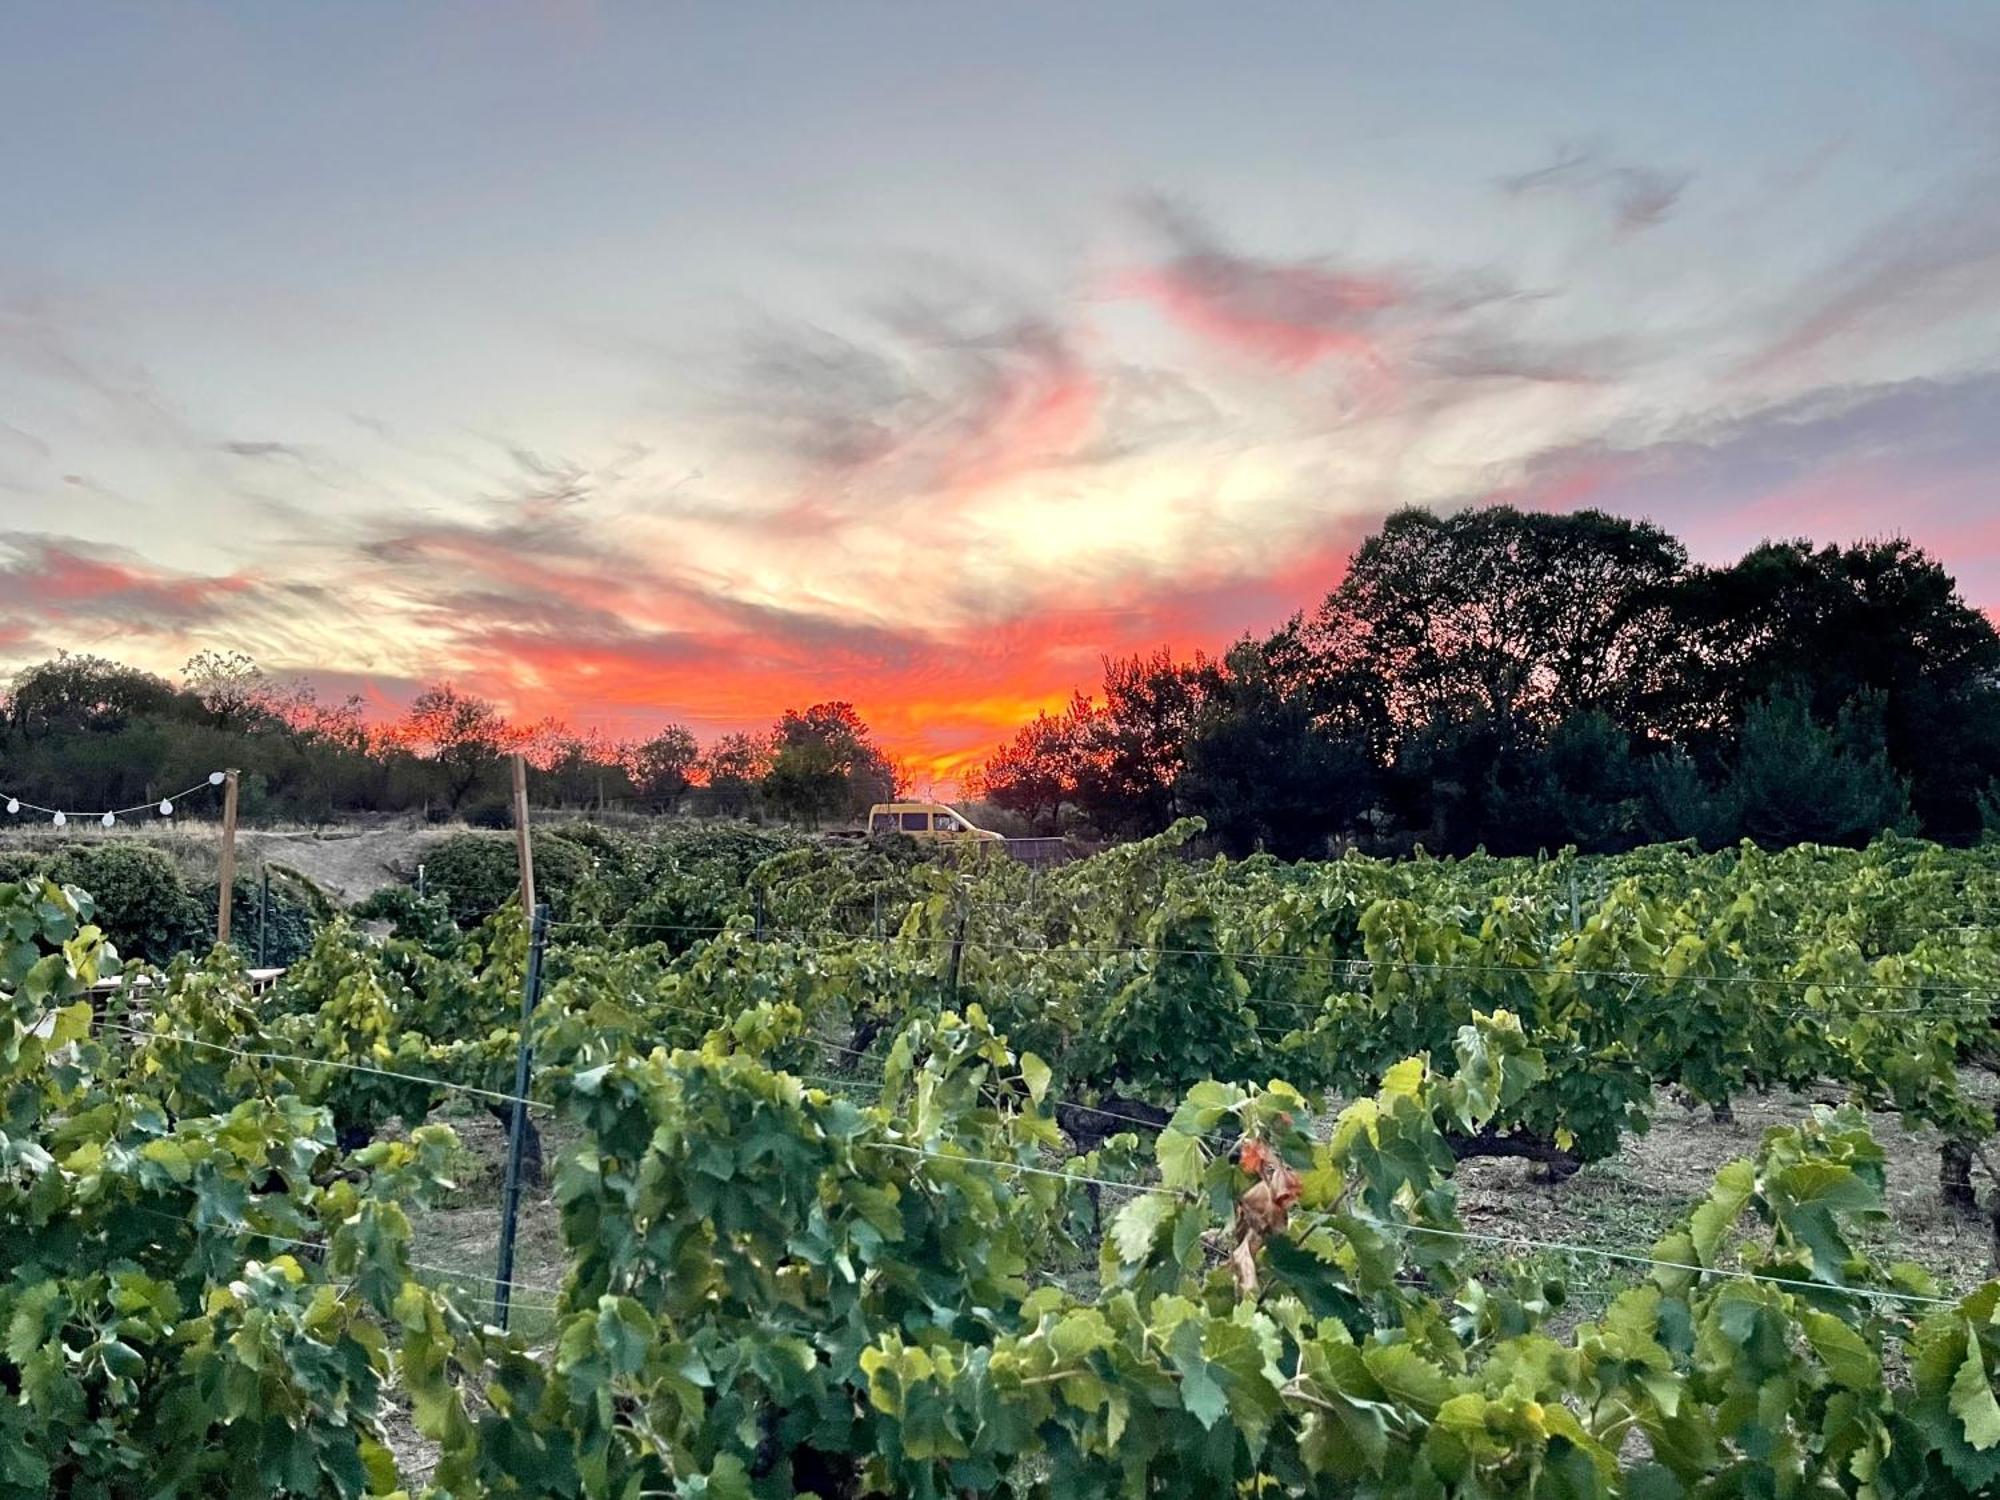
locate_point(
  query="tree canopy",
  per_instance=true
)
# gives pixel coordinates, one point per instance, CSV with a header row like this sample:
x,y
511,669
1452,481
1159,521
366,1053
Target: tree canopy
x,y
1520,680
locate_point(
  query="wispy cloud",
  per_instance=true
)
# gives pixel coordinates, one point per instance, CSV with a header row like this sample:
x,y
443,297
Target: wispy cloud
x,y
1934,263
1634,197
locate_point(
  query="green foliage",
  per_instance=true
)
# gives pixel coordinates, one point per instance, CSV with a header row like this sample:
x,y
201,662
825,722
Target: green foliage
x,y
478,873
196,1291
141,901
1798,782
827,1234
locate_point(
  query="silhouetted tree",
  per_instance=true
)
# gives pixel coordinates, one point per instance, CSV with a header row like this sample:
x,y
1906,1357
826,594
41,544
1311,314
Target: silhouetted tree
x,y
1798,781
1132,748
731,769
1042,767
1506,616
1264,766
461,736
1833,622
663,767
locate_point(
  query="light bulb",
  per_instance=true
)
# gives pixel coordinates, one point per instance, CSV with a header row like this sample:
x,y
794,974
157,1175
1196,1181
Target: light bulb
x,y
166,807
60,820
215,778
13,804
108,819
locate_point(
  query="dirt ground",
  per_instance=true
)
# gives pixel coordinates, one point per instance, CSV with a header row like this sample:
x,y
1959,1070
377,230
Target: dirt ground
x,y
346,863
1628,1201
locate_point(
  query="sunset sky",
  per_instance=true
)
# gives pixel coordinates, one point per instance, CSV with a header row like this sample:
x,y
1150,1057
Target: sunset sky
x,y
692,362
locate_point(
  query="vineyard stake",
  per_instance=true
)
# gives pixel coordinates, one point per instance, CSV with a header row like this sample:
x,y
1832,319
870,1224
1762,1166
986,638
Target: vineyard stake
x,y
1575,912
420,882
225,895
517,1124
522,843
264,919
757,913
878,914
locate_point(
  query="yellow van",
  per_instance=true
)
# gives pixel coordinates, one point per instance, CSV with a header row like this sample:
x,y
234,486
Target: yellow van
x,y
927,820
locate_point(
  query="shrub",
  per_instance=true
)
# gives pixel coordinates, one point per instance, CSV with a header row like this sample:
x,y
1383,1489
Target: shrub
x,y
478,873
143,904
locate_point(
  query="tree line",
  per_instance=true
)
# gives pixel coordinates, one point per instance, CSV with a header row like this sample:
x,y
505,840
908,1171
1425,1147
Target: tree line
x,y
1494,678
86,733
1518,681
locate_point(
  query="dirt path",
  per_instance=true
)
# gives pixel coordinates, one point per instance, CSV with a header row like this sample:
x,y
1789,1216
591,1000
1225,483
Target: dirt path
x,y
346,863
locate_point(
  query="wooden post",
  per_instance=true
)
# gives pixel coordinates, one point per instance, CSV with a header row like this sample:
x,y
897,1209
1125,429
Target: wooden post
x,y
522,843
226,894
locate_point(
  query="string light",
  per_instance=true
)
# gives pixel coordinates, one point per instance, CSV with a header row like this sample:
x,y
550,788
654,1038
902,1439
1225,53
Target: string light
x,y
110,816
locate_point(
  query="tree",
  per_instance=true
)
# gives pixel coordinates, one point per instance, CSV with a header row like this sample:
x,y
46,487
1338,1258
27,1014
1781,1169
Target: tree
x,y
460,735
83,693
663,767
733,766
824,762
1797,781
1506,614
1134,746
1677,802
1578,785
1042,766
1264,767
231,687
806,781
1832,622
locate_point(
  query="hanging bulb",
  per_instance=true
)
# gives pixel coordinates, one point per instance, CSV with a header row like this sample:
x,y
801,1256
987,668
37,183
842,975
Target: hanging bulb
x,y
166,807
215,778
13,804
108,819
60,820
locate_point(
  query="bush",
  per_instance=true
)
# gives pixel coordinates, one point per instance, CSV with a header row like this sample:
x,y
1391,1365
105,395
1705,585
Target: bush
x,y
280,936
478,873
144,906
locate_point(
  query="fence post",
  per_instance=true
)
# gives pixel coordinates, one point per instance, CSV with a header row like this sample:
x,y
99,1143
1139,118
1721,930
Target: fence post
x,y
517,1125
225,895
264,919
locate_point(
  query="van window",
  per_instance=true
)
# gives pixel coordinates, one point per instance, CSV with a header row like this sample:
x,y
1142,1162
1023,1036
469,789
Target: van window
x,y
949,823
882,823
916,822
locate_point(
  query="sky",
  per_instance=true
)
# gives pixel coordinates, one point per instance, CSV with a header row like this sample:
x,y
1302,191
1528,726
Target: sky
x,y
651,362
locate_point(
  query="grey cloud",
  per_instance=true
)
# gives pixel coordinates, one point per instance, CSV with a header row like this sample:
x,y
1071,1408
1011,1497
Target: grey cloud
x,y
242,449
1635,197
